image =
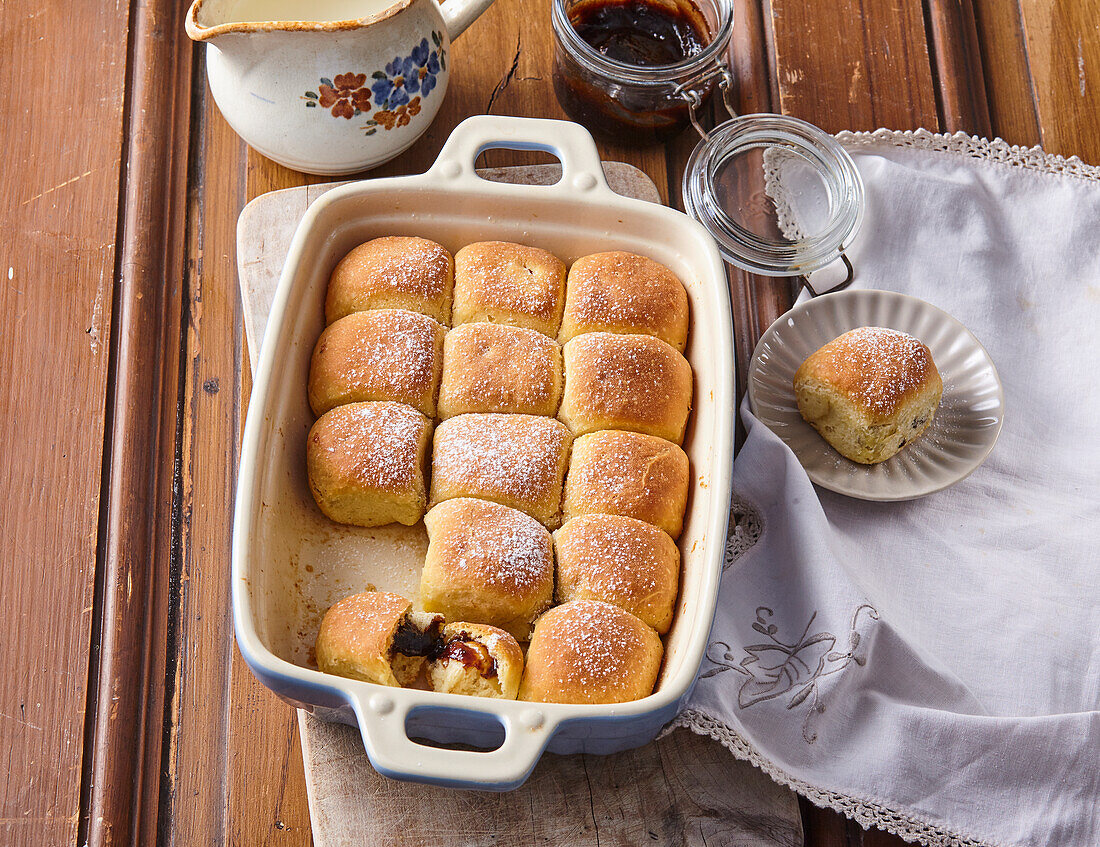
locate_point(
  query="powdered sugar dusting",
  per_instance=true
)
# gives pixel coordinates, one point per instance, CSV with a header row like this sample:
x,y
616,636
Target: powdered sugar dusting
x,y
628,470
596,642
499,278
376,444
498,546
614,558
626,290
493,455
635,377
495,368
408,265
880,366
388,354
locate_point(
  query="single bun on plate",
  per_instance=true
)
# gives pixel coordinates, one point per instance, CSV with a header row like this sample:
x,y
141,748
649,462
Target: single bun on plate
x,y
366,463
515,460
590,652
476,660
509,283
395,272
634,382
628,473
375,636
497,368
384,354
625,293
869,392
487,563
619,560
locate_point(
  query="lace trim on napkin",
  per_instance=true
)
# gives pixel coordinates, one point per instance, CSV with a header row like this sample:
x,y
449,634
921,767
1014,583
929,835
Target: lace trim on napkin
x,y
997,150
959,143
864,812
745,529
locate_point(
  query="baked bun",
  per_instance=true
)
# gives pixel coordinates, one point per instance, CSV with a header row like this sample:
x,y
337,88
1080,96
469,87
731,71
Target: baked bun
x,y
496,368
366,463
386,354
515,460
625,293
869,392
477,660
628,473
633,382
509,283
487,563
374,636
590,652
619,560
395,272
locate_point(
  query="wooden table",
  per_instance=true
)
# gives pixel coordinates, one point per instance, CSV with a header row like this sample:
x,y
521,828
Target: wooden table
x,y
125,711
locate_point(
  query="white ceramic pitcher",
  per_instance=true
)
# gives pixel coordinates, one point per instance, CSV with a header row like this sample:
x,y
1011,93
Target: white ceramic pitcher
x,y
329,86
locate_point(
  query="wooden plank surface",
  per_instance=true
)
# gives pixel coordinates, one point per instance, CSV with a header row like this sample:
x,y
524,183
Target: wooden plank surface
x,y
62,146
211,756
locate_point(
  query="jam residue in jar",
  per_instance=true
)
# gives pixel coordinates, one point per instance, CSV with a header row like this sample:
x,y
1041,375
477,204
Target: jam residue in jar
x,y
641,33
654,38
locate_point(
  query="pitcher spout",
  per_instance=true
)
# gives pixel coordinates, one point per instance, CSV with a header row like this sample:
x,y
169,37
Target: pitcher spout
x,y
459,14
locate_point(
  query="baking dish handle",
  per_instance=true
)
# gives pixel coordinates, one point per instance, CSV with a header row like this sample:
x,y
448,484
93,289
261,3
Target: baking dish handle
x,y
570,142
382,721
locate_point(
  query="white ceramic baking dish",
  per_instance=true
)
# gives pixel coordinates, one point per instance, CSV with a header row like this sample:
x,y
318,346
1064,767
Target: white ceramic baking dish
x,y
290,563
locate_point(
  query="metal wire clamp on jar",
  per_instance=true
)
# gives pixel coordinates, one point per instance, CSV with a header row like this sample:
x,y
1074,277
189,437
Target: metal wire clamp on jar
x,y
635,103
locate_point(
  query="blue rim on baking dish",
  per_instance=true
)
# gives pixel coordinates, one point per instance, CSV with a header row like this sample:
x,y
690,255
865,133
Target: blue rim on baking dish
x,y
275,520
962,433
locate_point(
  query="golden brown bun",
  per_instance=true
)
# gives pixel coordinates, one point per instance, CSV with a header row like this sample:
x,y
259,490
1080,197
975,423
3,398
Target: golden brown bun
x,y
619,560
590,652
509,283
631,474
515,460
477,660
495,368
395,272
869,392
625,293
357,638
366,463
385,354
487,563
633,382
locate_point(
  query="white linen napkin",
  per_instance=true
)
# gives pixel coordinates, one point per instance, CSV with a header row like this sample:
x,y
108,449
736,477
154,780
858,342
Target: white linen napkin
x,y
932,667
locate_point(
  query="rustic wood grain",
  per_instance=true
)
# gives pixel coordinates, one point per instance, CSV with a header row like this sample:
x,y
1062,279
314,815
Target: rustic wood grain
x,y
957,67
62,131
1008,86
852,64
122,766
1063,46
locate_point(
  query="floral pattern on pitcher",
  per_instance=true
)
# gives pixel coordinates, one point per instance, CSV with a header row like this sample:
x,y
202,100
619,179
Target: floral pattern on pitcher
x,y
397,90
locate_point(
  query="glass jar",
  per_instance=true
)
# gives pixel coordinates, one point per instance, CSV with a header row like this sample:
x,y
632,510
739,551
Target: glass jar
x,y
633,103
780,196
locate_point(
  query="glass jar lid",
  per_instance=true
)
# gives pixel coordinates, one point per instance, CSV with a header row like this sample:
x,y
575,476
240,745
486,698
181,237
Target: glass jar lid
x,y
780,196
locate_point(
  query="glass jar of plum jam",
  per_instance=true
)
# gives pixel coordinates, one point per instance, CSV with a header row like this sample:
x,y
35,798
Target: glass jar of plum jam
x,y
634,69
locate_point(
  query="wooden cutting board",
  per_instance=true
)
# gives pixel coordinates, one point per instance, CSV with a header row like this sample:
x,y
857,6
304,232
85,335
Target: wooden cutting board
x,y
681,789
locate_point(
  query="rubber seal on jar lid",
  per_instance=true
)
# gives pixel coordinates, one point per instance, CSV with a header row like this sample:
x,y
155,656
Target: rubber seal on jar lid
x,y
780,196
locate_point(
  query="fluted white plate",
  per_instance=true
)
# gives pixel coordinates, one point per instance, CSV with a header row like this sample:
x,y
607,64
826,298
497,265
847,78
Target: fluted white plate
x,y
962,433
